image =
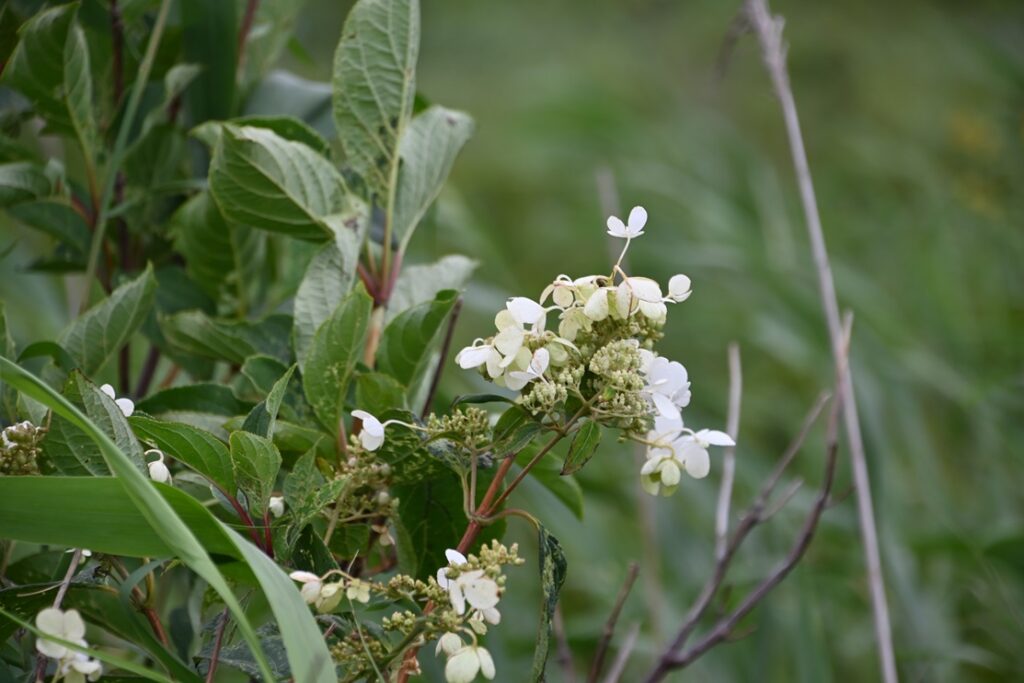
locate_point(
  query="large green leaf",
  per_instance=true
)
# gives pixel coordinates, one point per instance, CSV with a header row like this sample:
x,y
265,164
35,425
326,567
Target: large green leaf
x,y
375,85
261,419
307,652
256,462
197,333
101,331
337,346
428,149
209,38
327,281
55,218
421,283
407,343
198,449
22,181
203,237
261,179
552,576
50,66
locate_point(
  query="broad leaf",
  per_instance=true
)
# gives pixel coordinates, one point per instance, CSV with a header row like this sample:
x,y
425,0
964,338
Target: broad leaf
x,y
428,149
95,336
288,127
55,218
584,444
260,179
256,462
552,576
197,449
195,332
106,415
377,393
419,284
22,181
327,281
337,346
260,420
514,430
408,341
374,85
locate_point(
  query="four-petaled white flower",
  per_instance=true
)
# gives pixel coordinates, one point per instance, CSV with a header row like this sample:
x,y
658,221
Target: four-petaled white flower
x,y
372,434
673,449
516,379
276,505
472,587
73,666
158,470
358,590
668,386
466,663
126,405
633,227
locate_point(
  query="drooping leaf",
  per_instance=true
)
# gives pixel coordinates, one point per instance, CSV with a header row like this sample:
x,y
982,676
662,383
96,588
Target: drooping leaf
x,y
287,127
55,218
336,347
194,447
408,341
261,419
327,281
256,462
421,283
428,149
374,85
197,333
260,179
22,181
584,444
552,576
100,332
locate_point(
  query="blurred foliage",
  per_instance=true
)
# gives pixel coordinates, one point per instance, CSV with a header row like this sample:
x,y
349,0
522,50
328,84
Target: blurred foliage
x,y
914,120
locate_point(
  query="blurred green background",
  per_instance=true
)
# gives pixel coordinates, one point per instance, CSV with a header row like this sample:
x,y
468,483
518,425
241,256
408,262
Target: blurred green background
x,y
913,114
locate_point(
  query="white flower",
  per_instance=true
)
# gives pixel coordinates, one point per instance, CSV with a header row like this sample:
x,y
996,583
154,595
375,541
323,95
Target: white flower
x,y
596,307
679,288
311,585
126,405
74,667
330,596
358,590
634,226
372,434
477,355
449,643
693,450
464,665
79,668
516,380
158,469
469,587
276,506
455,558
491,615
668,386
674,449
562,292
511,323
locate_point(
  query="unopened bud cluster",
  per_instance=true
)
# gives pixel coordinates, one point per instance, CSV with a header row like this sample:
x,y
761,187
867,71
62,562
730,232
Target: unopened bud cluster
x,y
20,449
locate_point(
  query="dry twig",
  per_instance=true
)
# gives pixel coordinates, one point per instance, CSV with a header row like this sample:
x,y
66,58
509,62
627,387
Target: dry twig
x,y
729,460
609,626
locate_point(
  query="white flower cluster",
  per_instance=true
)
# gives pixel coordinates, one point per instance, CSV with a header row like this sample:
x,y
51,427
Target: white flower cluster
x,y
326,595
477,592
72,666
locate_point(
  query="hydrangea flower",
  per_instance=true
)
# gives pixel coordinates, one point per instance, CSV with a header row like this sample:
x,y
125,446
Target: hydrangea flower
x,y
74,667
472,587
674,449
668,386
126,405
311,585
372,434
633,227
516,379
466,663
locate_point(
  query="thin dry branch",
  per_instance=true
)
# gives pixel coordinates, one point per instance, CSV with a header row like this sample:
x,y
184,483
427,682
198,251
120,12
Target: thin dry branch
x,y
564,653
613,618
768,29
732,423
619,665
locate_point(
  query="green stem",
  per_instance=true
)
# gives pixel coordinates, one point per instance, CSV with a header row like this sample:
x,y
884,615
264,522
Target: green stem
x,y
120,143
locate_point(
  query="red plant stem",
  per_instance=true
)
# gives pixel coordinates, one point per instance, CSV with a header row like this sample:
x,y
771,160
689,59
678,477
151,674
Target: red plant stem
x,y
269,549
217,645
243,31
154,623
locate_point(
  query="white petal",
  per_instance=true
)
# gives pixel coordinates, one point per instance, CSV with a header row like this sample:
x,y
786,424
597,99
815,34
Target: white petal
x,y
525,311
159,472
74,627
649,485
480,591
494,366
646,358
276,506
509,340
715,437
126,405
616,228
310,591
516,380
539,362
473,356
670,473
449,643
665,406
108,390
697,462
563,296
596,307
462,666
486,663
625,303
456,596
491,615
645,289
442,578
51,620
303,577
679,288
637,220
650,465
50,648
455,557
371,424
654,312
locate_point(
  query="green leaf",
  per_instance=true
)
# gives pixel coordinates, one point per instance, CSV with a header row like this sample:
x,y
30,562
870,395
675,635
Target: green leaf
x,y
306,493
428,149
514,430
337,346
22,181
256,463
197,449
376,393
260,420
8,396
106,415
55,218
584,444
419,284
327,281
263,372
100,332
50,66
260,179
552,576
196,333
547,474
474,399
272,29
288,127
209,38
408,341
215,399
375,84
155,510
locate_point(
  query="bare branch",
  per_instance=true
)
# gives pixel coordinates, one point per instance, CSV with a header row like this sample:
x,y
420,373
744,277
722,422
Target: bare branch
x,y
564,653
442,360
609,626
769,33
729,459
619,665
